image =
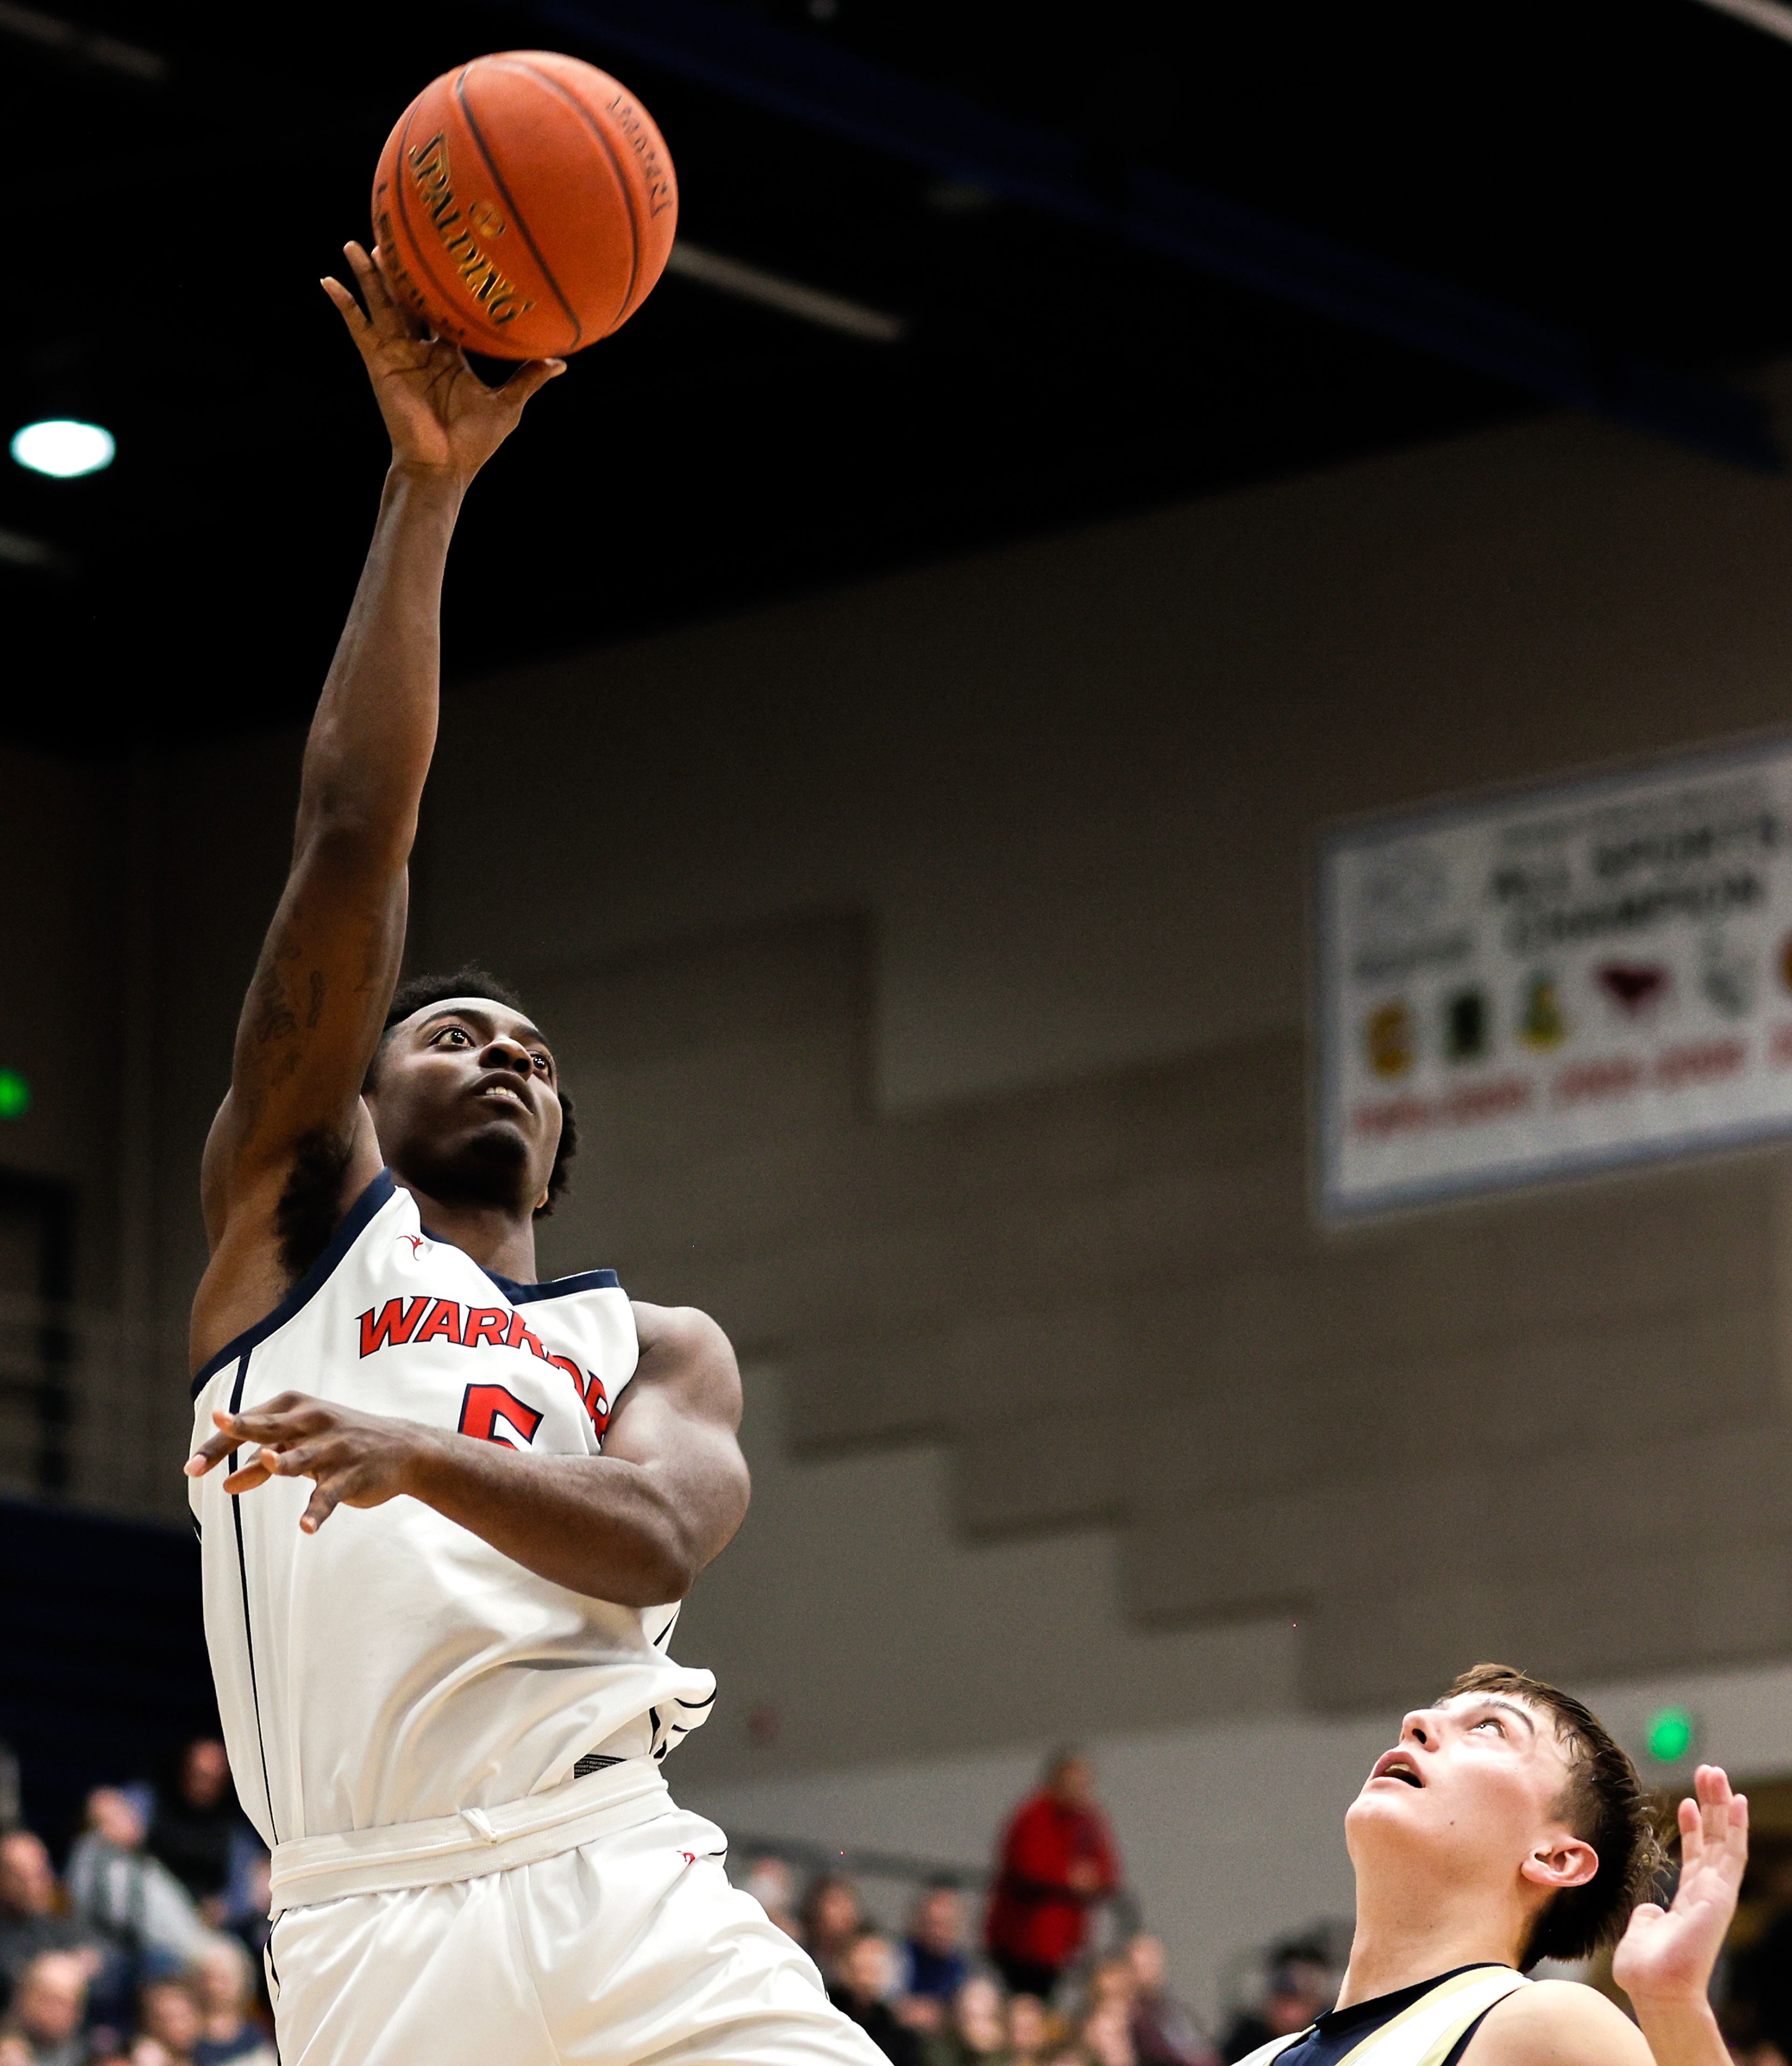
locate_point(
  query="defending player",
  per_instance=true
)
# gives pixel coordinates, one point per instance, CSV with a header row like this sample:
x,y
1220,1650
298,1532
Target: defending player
x,y
442,1571
1506,1827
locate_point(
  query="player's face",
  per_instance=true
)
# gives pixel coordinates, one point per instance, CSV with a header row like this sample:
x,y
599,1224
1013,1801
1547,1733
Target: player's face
x,y
466,1104
1474,1782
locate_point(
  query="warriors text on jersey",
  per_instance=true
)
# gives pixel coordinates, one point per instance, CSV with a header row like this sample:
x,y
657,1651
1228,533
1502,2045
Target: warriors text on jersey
x,y
394,1667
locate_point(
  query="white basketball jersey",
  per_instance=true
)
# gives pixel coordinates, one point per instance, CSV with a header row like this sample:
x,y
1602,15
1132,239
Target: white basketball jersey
x,y
393,1667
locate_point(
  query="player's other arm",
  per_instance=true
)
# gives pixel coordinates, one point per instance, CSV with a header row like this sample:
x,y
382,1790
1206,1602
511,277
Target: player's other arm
x,y
1664,1964
314,1009
633,1527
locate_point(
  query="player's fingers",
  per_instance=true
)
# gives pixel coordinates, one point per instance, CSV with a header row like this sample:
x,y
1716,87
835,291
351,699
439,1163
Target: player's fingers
x,y
389,296
392,312
347,307
322,1504
529,380
270,1425
1712,1782
1648,1911
213,1450
256,1472
1692,1835
305,1460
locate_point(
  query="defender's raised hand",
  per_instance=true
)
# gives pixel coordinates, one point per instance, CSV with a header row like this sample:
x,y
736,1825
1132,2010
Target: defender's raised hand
x,y
1666,1954
439,414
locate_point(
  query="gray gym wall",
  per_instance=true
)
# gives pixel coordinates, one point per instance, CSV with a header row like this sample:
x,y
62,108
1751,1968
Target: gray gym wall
x,y
928,958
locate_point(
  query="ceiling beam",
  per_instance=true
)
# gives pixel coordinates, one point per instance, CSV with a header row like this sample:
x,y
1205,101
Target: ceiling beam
x,y
804,79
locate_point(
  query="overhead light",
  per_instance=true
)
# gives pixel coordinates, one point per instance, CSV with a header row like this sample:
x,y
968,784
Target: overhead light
x,y
17,550
54,34
791,298
62,447
1770,15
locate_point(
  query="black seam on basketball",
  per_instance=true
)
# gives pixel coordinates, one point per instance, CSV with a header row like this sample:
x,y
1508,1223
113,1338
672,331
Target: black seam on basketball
x,y
515,212
482,333
419,250
597,130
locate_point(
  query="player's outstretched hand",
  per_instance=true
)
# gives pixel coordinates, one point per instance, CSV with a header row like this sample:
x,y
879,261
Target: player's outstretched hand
x,y
441,414
358,1458
1666,1954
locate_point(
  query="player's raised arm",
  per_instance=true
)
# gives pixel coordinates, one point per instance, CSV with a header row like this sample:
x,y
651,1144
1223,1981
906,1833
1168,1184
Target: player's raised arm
x,y
293,1122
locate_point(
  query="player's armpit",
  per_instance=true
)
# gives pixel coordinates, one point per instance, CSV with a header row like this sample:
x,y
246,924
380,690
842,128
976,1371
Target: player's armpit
x,y
1557,2022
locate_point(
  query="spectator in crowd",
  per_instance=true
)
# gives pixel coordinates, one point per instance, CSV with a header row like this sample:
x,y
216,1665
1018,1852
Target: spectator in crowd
x,y
224,1987
832,1920
934,1964
865,1977
134,1901
1164,2032
29,1922
1107,2032
1057,1860
197,1826
168,2015
975,2035
1105,2028
1300,1988
1031,2034
770,1882
248,1923
49,2004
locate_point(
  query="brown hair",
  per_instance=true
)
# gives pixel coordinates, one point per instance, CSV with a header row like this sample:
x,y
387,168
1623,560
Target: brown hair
x,y
1605,1804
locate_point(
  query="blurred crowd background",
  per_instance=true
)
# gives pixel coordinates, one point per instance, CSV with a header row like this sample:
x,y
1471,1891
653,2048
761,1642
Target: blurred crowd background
x,y
143,1946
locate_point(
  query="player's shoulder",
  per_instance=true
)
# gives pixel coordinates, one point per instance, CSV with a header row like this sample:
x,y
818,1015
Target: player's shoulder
x,y
1557,2022
683,1345
681,1330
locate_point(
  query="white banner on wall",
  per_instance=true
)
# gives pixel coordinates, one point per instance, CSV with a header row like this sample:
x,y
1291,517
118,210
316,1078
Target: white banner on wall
x,y
1533,986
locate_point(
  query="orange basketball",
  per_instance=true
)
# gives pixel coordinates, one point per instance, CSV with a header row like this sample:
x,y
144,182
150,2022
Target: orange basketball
x,y
524,204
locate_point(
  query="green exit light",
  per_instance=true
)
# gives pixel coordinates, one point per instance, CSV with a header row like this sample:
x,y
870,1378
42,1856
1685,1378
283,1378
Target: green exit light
x,y
1670,1735
15,1095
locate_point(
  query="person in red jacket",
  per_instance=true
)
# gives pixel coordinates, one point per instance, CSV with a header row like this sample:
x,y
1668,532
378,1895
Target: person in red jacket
x,y
1057,1860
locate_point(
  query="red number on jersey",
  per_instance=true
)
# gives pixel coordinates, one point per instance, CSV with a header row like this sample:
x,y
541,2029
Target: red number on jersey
x,y
485,1405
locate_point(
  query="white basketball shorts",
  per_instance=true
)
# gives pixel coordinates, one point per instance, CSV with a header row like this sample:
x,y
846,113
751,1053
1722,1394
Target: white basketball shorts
x,y
631,1946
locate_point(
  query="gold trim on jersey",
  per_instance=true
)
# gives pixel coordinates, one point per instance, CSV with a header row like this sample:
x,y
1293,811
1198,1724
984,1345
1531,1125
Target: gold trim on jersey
x,y
1426,2031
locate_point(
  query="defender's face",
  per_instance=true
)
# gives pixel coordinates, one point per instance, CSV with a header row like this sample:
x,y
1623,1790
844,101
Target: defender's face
x,y
465,1102
1475,1781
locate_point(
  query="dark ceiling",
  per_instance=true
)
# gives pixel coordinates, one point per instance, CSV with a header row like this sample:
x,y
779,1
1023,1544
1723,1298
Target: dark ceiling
x,y
1263,239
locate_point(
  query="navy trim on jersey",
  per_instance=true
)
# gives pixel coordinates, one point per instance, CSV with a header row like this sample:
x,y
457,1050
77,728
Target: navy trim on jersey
x,y
354,1222
1461,2044
529,1295
249,1633
1339,2031
556,1287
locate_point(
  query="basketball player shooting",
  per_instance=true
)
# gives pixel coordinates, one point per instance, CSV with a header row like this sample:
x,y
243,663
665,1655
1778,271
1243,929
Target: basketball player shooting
x,y
447,1512
1506,1827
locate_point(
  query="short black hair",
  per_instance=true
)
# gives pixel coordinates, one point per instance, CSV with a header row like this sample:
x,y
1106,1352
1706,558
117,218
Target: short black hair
x,y
1605,1805
418,991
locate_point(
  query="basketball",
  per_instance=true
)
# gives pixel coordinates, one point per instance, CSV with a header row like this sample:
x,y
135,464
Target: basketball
x,y
524,204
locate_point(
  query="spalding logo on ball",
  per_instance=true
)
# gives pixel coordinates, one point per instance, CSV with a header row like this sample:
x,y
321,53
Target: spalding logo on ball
x,y
524,204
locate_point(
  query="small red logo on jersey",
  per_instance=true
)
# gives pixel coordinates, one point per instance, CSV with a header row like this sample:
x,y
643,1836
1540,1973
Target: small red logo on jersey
x,y
418,1244
690,1858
